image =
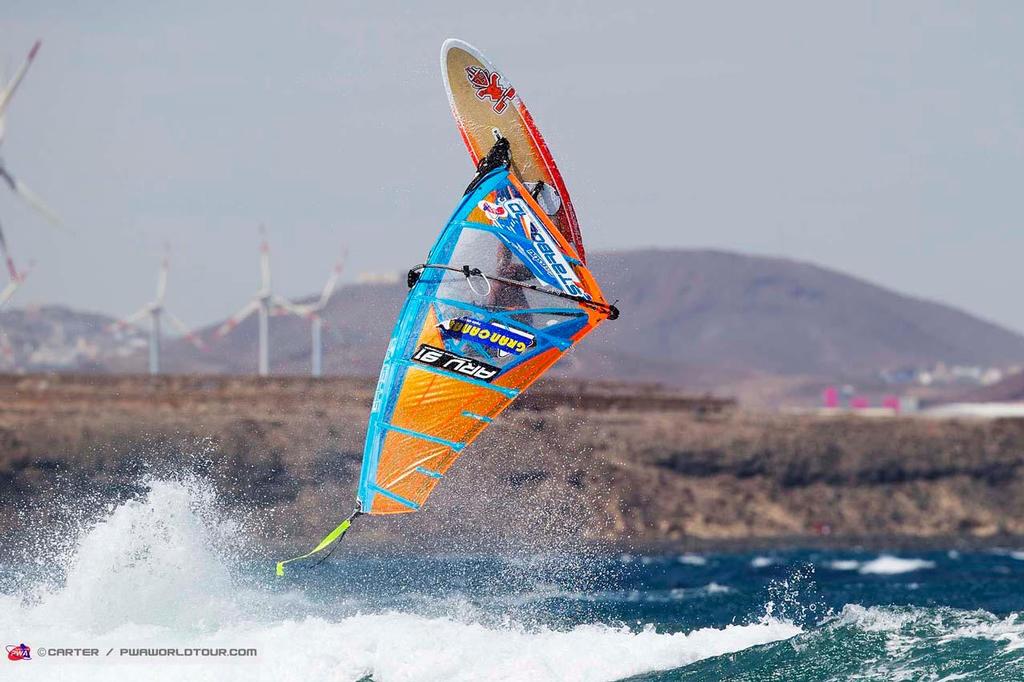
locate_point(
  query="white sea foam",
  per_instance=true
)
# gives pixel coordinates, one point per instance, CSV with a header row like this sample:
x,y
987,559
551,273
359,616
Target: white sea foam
x,y
911,626
402,646
151,562
892,565
692,560
646,596
915,638
762,562
149,575
684,593
1009,630
844,565
875,618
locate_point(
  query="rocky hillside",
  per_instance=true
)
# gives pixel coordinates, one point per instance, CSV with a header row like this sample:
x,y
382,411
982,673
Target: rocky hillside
x,y
600,463
60,339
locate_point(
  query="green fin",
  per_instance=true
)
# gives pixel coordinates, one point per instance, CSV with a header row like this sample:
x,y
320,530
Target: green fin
x,y
331,538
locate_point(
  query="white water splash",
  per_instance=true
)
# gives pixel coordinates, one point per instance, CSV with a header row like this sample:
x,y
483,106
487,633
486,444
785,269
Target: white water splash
x,y
154,574
151,562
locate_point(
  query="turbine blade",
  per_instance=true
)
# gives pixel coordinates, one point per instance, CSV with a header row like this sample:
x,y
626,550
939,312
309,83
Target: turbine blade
x,y
130,321
332,283
161,280
8,92
292,308
8,291
23,275
30,197
6,254
234,320
264,260
184,330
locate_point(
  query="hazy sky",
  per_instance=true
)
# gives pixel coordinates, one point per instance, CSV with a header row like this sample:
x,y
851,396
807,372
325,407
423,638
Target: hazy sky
x,y
883,139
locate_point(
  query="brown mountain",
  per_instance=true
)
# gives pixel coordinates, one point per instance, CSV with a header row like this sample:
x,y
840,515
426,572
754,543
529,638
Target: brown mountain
x,y
774,315
708,320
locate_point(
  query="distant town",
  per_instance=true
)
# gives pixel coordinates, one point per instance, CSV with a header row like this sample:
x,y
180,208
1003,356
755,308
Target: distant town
x,y
942,374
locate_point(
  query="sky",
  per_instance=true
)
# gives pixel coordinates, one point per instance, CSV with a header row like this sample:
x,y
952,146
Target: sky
x,y
882,139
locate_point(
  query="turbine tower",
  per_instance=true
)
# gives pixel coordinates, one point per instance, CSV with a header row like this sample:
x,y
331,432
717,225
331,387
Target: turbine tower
x,y
155,310
311,312
16,185
6,350
260,304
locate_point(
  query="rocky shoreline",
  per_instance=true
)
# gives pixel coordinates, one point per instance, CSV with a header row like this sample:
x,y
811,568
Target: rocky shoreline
x,y
580,463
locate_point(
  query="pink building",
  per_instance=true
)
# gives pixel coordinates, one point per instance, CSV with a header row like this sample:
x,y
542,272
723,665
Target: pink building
x,y
859,402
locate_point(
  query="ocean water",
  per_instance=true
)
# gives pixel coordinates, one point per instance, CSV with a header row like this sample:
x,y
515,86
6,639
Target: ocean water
x,y
169,571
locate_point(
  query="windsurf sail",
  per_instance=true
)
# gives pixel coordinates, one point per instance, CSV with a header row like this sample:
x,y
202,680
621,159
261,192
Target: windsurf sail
x,y
501,297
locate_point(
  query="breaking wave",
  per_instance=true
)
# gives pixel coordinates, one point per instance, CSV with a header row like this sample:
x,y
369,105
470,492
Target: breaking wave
x,y
171,570
164,571
880,643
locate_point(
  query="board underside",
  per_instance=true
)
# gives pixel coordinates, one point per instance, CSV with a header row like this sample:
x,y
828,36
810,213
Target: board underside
x,y
485,105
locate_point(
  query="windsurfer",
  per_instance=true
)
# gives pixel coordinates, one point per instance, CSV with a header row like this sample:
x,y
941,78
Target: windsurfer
x,y
508,296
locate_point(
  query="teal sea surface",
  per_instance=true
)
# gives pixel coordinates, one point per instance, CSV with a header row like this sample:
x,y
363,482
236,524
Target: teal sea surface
x,y
172,570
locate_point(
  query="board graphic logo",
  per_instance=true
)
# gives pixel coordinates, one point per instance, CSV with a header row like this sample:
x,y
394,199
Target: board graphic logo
x,y
488,85
514,215
442,359
546,244
19,652
494,212
506,340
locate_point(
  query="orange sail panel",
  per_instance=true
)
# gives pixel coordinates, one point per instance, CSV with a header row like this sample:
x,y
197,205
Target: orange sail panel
x,y
501,297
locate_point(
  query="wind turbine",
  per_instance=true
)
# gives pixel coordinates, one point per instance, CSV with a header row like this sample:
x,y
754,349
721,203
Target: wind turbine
x,y
311,312
8,291
16,185
155,310
260,304
12,286
6,350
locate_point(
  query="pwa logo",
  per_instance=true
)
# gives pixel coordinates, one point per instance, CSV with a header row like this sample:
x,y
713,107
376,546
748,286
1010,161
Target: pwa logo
x,y
19,652
488,86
